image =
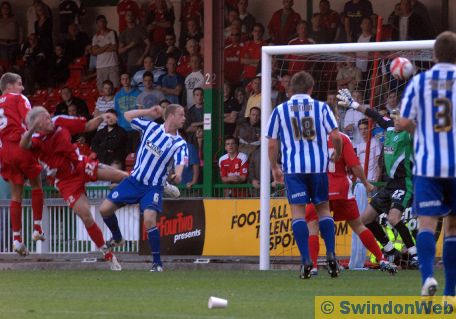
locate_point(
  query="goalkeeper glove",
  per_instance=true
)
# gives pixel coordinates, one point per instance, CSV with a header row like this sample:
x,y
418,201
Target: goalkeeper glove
x,y
346,100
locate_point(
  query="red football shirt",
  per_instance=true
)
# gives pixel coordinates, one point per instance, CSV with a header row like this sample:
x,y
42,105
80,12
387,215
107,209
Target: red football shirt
x,y
122,7
55,151
238,166
232,63
297,63
13,109
340,184
251,50
183,66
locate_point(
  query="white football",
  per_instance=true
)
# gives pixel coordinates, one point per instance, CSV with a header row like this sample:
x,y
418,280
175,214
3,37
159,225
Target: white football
x,y
401,68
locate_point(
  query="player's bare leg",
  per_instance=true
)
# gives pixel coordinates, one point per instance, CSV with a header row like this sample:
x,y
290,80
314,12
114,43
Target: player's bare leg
x,y
368,240
301,235
314,244
16,218
82,209
153,237
327,230
109,173
37,207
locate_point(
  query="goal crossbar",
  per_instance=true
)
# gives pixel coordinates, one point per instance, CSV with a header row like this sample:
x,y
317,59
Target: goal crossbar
x,y
266,107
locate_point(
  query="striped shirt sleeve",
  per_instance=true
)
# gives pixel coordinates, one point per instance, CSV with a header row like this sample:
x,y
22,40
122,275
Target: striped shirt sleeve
x,y
181,155
273,124
408,105
141,124
329,120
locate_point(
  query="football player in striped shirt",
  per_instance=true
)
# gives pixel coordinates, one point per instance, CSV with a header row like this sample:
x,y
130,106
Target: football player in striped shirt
x,y
302,125
428,109
161,146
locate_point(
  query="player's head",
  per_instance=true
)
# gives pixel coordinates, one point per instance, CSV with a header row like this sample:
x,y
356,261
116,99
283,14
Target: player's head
x,y
301,83
175,116
11,83
445,47
231,144
39,116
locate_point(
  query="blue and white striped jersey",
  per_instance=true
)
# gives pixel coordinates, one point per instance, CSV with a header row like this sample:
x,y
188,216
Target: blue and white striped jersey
x,y
430,99
302,125
156,152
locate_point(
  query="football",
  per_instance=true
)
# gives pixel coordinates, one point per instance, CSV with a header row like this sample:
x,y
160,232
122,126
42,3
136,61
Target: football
x,y
401,68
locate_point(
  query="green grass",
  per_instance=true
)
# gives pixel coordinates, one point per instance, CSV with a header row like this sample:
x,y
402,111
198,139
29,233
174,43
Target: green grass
x,y
184,294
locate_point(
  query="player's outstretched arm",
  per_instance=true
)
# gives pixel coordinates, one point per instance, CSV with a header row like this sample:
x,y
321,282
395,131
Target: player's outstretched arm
x,y
176,178
93,124
346,100
337,143
26,139
154,112
359,173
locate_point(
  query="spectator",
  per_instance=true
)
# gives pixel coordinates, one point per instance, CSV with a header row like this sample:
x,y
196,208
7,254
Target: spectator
x,y
35,71
164,104
352,118
191,173
251,52
232,59
194,80
362,58
420,9
183,65
247,19
43,29
283,94
68,99
295,62
316,32
373,171
411,26
125,100
192,31
236,28
149,96
159,22
110,142
76,42
195,114
198,142
231,109
169,49
354,11
233,166
233,15
255,171
249,132
31,15
69,12
10,34
148,63
133,44
329,22
192,9
392,101
105,102
348,76
241,97
122,7
255,97
104,47
59,71
283,23
171,83
395,16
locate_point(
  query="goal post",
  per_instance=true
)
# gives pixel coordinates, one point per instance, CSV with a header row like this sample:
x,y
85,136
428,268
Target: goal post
x,y
333,51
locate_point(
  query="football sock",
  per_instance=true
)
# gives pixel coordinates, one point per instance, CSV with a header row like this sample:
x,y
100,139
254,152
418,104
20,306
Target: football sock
x,y
379,233
113,226
314,247
425,244
449,262
37,207
404,232
370,243
301,235
96,235
327,231
16,219
153,236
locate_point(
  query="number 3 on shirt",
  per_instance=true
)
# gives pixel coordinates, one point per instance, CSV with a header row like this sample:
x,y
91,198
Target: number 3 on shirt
x,y
443,115
3,119
306,130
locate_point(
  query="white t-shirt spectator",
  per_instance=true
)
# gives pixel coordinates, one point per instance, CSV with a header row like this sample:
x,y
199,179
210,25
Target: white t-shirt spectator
x,y
353,117
192,81
106,59
375,150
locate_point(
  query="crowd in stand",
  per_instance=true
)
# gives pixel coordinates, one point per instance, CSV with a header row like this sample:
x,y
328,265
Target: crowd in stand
x,y
144,63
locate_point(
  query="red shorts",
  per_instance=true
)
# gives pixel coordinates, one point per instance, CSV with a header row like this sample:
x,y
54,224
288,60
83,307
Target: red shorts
x,y
18,164
73,186
342,209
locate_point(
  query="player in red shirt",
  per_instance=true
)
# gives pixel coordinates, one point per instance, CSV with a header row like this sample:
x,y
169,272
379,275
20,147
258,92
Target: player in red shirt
x,y
343,204
234,166
122,7
251,52
50,141
17,163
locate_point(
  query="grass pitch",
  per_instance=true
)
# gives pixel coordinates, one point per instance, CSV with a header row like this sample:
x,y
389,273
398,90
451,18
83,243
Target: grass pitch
x,y
184,294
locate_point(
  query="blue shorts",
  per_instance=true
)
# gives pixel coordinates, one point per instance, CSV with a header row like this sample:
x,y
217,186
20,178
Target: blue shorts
x,y
434,196
130,191
306,188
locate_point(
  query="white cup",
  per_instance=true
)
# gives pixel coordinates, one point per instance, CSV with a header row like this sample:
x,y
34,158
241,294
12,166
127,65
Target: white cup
x,y
215,302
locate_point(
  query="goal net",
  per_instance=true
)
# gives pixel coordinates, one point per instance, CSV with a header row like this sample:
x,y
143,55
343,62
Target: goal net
x,y
363,68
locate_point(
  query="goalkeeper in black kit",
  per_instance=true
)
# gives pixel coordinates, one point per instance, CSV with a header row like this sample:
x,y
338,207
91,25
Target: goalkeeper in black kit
x,y
396,195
